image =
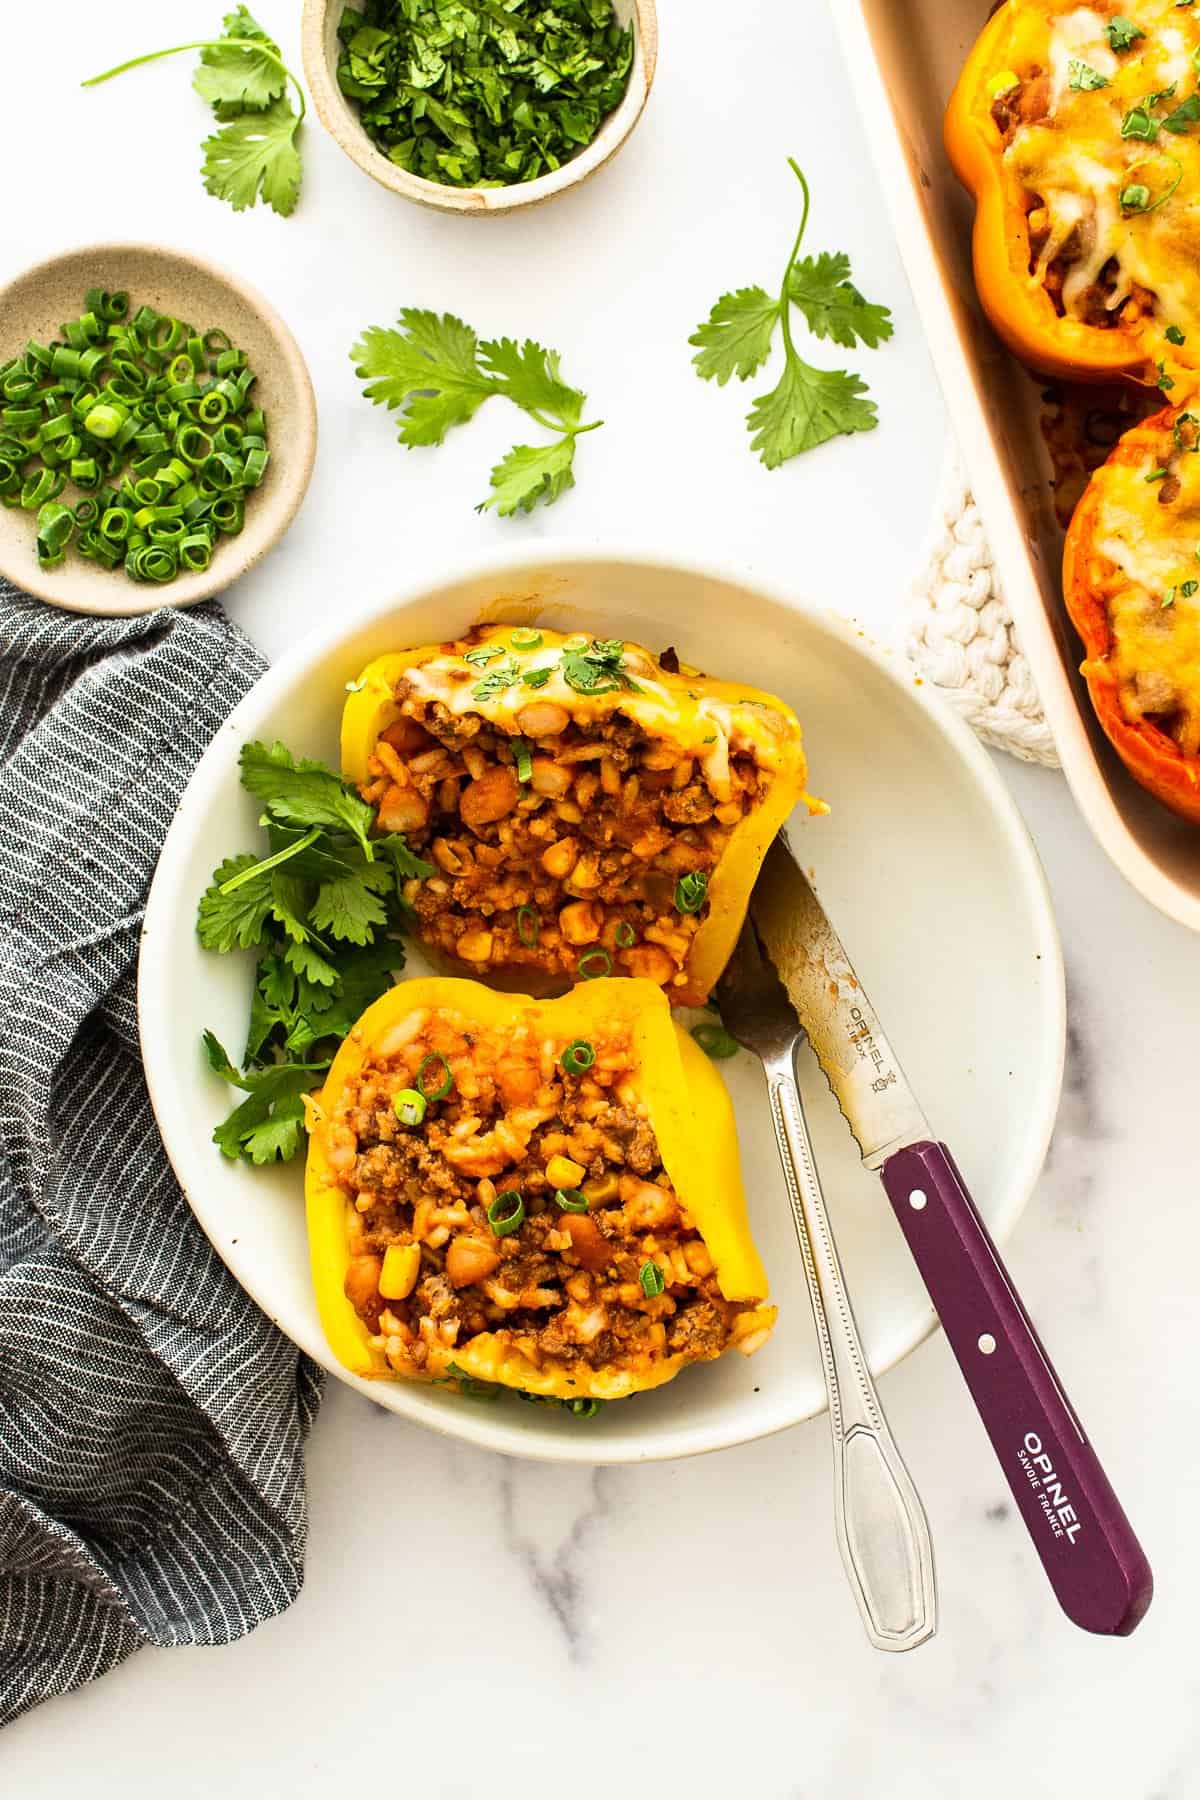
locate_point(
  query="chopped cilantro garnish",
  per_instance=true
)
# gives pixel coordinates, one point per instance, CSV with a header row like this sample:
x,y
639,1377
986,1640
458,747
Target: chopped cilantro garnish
x,y
1121,32
497,681
1184,116
1082,77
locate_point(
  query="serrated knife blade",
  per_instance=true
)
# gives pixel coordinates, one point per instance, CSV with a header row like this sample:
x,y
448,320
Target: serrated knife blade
x,y
843,1027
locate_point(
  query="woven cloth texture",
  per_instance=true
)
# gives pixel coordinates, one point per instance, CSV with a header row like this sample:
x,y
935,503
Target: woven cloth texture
x,y
151,1418
961,635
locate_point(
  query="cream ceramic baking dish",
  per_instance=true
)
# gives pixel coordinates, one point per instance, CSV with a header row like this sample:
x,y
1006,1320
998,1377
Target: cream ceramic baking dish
x,y
904,57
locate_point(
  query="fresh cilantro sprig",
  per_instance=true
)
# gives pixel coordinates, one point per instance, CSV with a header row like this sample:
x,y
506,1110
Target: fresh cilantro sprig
x,y
436,374
322,909
244,79
808,406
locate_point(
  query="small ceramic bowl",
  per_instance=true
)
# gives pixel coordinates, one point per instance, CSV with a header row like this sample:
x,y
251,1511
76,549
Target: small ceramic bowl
x,y
340,118
37,303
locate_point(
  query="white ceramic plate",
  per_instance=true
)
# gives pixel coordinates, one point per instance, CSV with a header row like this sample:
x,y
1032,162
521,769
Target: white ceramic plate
x,y
923,863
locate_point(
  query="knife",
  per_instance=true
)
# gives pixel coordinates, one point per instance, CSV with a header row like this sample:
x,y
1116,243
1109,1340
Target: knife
x,y
1098,1570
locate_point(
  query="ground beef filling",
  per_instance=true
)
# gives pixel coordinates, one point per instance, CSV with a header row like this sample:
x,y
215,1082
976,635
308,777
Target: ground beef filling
x,y
557,841
565,1287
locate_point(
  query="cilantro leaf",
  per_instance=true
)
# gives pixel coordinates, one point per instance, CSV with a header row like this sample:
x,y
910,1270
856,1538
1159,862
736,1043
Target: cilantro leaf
x,y
530,377
529,473
255,156
230,76
808,407
832,306
308,962
234,921
347,909
304,792
428,370
436,374
289,903
736,337
268,1126
407,865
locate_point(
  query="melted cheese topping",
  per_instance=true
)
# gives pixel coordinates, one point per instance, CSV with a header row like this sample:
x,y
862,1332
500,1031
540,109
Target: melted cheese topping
x,y
706,718
1077,164
1155,656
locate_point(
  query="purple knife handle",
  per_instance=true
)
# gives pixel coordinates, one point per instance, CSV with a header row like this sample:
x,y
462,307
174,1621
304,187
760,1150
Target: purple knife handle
x,y
1096,1566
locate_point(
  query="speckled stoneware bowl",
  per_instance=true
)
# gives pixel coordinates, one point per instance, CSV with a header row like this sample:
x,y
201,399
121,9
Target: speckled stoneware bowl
x,y
37,303
340,118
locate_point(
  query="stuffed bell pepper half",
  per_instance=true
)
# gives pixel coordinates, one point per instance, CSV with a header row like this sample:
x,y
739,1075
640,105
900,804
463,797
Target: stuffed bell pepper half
x,y
1131,579
1077,131
589,808
543,1194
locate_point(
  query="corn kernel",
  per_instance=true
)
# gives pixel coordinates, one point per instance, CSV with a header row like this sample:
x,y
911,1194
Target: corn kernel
x,y
401,1266
561,1172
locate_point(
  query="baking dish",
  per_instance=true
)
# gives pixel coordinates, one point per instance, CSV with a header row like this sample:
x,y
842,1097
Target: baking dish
x,y
903,58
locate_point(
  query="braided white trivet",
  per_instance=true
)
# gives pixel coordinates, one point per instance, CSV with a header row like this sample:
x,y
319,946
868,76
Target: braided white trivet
x,y
961,635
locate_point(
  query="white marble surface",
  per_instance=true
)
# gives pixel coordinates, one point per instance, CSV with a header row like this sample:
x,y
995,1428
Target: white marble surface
x,y
474,1625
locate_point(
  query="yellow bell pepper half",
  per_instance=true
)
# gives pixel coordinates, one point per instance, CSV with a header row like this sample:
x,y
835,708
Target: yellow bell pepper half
x,y
696,714
693,1122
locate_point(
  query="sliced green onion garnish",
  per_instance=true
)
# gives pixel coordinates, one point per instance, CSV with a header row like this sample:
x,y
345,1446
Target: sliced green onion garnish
x,y
570,1200
1136,196
536,678
594,964
625,936
410,1106
506,1214
652,1279
715,1041
520,750
1156,474
528,927
691,892
578,1057
433,1061
524,637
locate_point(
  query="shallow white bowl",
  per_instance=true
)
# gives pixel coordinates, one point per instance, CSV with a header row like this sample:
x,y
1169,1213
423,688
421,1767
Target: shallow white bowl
x,y
923,863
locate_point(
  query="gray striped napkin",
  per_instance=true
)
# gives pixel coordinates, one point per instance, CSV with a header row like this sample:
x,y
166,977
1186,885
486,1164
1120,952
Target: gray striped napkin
x,y
151,1419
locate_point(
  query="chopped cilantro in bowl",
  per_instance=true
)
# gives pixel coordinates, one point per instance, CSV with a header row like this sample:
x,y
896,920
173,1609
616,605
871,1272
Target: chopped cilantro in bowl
x,y
478,95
